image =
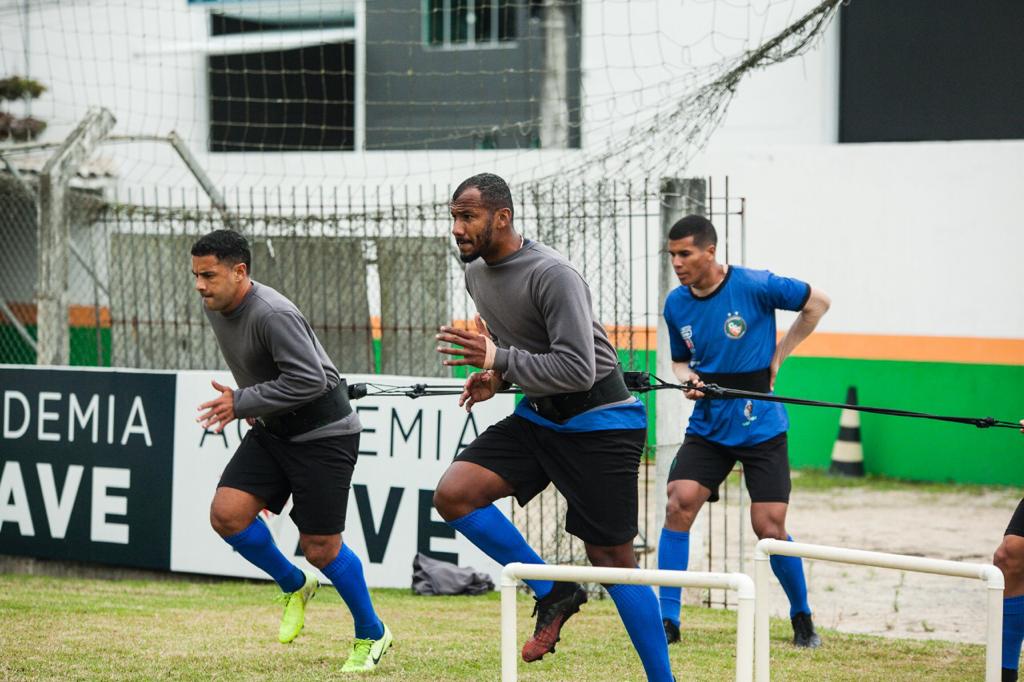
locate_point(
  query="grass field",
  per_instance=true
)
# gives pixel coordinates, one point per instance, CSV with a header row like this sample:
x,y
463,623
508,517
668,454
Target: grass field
x,y
78,629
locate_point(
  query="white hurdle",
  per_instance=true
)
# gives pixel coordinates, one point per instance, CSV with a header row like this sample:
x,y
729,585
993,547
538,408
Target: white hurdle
x,y
739,582
987,572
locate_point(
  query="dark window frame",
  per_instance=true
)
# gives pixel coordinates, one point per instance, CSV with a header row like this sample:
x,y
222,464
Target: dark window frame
x,y
283,100
469,24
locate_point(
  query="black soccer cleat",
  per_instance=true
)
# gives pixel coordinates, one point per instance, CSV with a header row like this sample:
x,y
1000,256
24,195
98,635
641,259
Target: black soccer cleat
x,y
552,611
804,635
671,631
1009,675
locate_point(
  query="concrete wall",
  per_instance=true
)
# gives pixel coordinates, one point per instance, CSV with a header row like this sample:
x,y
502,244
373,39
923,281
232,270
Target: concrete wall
x,y
424,97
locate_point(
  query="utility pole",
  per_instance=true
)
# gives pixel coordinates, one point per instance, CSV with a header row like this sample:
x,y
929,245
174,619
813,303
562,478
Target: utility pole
x,y
554,105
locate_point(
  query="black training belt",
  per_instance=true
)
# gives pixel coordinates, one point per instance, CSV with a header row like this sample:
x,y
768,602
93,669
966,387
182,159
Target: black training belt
x,y
327,409
562,407
758,380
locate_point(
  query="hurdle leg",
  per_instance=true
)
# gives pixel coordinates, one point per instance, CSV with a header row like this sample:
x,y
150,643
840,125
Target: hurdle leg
x,y
994,634
762,570
508,624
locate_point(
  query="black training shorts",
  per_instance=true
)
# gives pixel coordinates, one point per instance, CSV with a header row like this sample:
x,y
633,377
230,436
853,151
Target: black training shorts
x,y
596,472
317,474
1016,526
765,466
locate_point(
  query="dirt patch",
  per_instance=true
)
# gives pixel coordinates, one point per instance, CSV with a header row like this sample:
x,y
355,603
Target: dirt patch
x,y
960,526
963,524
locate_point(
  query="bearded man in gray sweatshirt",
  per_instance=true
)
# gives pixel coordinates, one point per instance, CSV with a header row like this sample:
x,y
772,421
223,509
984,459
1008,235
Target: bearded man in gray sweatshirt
x,y
577,427
303,442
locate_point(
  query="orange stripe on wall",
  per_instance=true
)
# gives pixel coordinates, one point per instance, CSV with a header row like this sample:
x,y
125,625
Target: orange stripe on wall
x,y
85,316
632,337
78,315
970,350
914,348
957,349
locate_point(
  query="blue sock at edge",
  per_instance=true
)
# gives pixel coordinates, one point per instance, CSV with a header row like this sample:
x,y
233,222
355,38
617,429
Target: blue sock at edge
x,y
494,534
640,613
256,545
1013,631
790,572
346,574
673,555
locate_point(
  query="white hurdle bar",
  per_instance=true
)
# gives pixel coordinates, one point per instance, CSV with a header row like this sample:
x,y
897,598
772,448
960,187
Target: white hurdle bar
x,y
739,582
987,572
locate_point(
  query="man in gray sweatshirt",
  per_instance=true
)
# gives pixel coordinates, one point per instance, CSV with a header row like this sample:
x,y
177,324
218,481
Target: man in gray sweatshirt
x,y
578,426
303,442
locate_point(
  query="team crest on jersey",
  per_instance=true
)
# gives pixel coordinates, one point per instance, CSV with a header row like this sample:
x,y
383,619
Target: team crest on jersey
x,y
687,334
735,326
748,413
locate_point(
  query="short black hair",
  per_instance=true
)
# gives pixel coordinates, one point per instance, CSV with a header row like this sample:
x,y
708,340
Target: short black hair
x,y
227,245
696,226
494,191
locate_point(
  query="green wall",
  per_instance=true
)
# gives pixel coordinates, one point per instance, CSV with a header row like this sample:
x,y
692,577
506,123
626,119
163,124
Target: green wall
x,y
86,350
916,449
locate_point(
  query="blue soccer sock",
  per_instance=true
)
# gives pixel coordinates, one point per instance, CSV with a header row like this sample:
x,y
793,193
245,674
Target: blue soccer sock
x,y
256,544
346,574
488,529
673,555
638,608
790,572
1013,630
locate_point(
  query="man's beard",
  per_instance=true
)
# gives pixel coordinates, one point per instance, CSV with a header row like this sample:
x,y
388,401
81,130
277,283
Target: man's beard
x,y
485,243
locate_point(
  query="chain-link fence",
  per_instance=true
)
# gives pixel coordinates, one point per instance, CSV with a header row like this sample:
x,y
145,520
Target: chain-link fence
x,y
17,271
88,312
375,273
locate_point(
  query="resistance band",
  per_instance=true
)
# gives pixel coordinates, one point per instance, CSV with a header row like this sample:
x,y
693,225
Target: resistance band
x,y
640,382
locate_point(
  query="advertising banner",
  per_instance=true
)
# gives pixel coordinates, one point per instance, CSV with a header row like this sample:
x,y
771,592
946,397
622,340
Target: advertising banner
x,y
405,446
85,465
111,466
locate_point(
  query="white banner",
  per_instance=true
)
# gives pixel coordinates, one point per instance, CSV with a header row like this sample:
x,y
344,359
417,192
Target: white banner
x,y
405,446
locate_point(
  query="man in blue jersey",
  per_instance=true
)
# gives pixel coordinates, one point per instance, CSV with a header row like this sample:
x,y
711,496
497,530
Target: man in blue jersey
x,y
1009,558
721,325
578,427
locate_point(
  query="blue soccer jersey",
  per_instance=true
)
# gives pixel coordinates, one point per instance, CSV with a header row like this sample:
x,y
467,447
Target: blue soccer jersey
x,y
732,330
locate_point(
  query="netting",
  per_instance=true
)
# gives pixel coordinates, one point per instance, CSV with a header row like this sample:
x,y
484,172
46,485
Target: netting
x,y
374,273
331,134
288,93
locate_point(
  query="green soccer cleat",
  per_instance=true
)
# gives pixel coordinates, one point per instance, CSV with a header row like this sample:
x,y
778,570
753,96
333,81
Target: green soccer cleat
x,y
366,653
295,609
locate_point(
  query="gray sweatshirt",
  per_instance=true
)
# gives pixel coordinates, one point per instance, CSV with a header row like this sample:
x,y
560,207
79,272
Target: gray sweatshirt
x,y
276,359
538,310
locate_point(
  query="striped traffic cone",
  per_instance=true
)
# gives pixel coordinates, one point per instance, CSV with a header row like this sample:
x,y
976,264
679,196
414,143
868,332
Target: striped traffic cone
x,y
847,453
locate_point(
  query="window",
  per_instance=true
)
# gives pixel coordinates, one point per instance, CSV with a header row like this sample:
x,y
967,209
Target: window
x,y
297,95
290,100
452,23
931,70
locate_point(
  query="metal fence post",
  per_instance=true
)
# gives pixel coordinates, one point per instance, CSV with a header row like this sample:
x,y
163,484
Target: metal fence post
x,y
678,197
54,238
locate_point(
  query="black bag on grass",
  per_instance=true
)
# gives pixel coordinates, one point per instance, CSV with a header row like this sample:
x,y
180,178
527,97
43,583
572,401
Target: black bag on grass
x,y
432,576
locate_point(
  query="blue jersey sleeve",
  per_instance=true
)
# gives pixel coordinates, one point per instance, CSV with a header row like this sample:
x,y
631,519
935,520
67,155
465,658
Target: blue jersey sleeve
x,y
680,353
786,293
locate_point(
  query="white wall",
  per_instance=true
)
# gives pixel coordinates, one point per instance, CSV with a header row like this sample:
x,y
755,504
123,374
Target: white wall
x,y
915,238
